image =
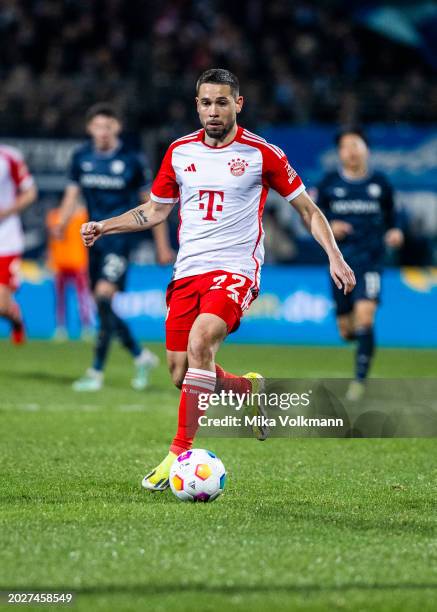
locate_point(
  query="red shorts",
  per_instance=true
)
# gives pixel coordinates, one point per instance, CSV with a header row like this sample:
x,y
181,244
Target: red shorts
x,y
224,294
10,271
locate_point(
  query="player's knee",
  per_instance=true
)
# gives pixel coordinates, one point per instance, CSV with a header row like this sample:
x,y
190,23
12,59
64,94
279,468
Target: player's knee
x,y
346,332
104,291
364,321
200,347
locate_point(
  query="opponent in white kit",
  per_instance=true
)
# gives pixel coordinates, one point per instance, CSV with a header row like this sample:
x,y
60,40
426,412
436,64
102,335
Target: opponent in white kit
x,y
17,192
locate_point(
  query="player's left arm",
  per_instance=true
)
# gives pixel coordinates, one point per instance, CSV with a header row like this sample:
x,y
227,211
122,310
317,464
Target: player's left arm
x,y
164,253
394,236
318,225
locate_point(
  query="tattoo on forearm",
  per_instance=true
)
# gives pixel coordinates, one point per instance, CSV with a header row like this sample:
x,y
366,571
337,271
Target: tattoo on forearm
x,y
139,216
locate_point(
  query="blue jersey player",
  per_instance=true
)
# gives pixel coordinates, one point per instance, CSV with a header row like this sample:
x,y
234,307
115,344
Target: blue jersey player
x,y
358,203
112,179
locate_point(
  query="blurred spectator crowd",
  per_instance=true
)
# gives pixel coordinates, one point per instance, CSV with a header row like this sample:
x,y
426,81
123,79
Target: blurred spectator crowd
x,y
297,61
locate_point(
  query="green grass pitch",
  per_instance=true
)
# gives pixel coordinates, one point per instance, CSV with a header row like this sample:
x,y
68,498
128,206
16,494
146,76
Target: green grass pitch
x,y
303,524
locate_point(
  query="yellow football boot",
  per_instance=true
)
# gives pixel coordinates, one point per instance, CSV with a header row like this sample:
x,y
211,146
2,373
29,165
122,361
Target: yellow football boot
x,y
260,429
157,479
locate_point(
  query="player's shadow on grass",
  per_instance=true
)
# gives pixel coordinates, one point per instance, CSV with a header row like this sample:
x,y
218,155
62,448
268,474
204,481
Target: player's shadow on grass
x,y
62,379
48,377
172,588
342,519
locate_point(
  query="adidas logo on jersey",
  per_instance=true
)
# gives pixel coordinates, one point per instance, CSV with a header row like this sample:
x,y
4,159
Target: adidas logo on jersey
x,y
190,168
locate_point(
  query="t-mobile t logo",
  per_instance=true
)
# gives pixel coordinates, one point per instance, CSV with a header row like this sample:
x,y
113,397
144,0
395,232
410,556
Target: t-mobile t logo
x,y
210,203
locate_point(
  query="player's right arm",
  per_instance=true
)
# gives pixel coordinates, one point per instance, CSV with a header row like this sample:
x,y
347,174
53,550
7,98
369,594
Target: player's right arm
x,y
138,219
282,177
316,223
164,195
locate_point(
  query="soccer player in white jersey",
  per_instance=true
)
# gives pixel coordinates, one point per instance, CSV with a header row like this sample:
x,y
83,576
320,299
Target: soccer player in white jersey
x,y
220,176
17,192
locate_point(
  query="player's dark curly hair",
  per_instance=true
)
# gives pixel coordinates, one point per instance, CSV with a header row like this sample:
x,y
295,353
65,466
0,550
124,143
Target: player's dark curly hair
x,y
220,76
102,108
351,129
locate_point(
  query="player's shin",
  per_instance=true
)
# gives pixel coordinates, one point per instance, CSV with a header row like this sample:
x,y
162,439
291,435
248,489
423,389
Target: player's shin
x,y
125,336
365,349
196,382
105,334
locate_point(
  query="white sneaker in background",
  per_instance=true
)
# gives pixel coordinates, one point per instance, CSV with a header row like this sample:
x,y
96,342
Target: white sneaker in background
x,y
144,363
91,381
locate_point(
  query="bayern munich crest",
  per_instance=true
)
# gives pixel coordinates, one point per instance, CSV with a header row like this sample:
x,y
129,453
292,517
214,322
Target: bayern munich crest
x,y
237,166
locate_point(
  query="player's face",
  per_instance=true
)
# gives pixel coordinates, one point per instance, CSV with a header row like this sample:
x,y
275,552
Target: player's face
x,y
104,131
353,152
217,109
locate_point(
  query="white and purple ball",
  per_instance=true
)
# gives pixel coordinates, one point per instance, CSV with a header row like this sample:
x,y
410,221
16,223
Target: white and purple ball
x,y
197,475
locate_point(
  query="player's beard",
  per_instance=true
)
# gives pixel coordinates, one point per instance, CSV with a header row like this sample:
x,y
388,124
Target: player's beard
x,y
219,132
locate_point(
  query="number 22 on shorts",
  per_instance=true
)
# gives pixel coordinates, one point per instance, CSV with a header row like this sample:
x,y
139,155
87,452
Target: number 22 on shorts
x,y
232,288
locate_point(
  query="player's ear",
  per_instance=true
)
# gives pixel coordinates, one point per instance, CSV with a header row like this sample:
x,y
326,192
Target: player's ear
x,y
239,104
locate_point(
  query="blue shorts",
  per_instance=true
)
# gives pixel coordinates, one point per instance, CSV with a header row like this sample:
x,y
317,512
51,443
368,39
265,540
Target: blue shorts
x,y
108,260
368,287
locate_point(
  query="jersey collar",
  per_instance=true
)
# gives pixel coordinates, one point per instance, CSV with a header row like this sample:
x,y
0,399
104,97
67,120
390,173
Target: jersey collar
x,y
107,154
356,181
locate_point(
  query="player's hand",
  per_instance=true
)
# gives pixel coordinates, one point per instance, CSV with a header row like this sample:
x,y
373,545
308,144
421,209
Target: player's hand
x,y
341,229
165,256
394,238
91,232
341,273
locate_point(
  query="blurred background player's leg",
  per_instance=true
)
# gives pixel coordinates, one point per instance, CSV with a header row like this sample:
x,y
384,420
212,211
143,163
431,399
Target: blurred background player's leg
x,y
355,318
346,326
61,279
9,309
81,282
144,359
364,315
365,297
110,325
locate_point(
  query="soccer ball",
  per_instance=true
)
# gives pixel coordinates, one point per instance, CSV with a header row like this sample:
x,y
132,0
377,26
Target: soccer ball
x,y
197,475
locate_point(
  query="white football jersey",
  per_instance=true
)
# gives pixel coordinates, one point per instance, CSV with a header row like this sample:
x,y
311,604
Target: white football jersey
x,y
222,193
14,176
